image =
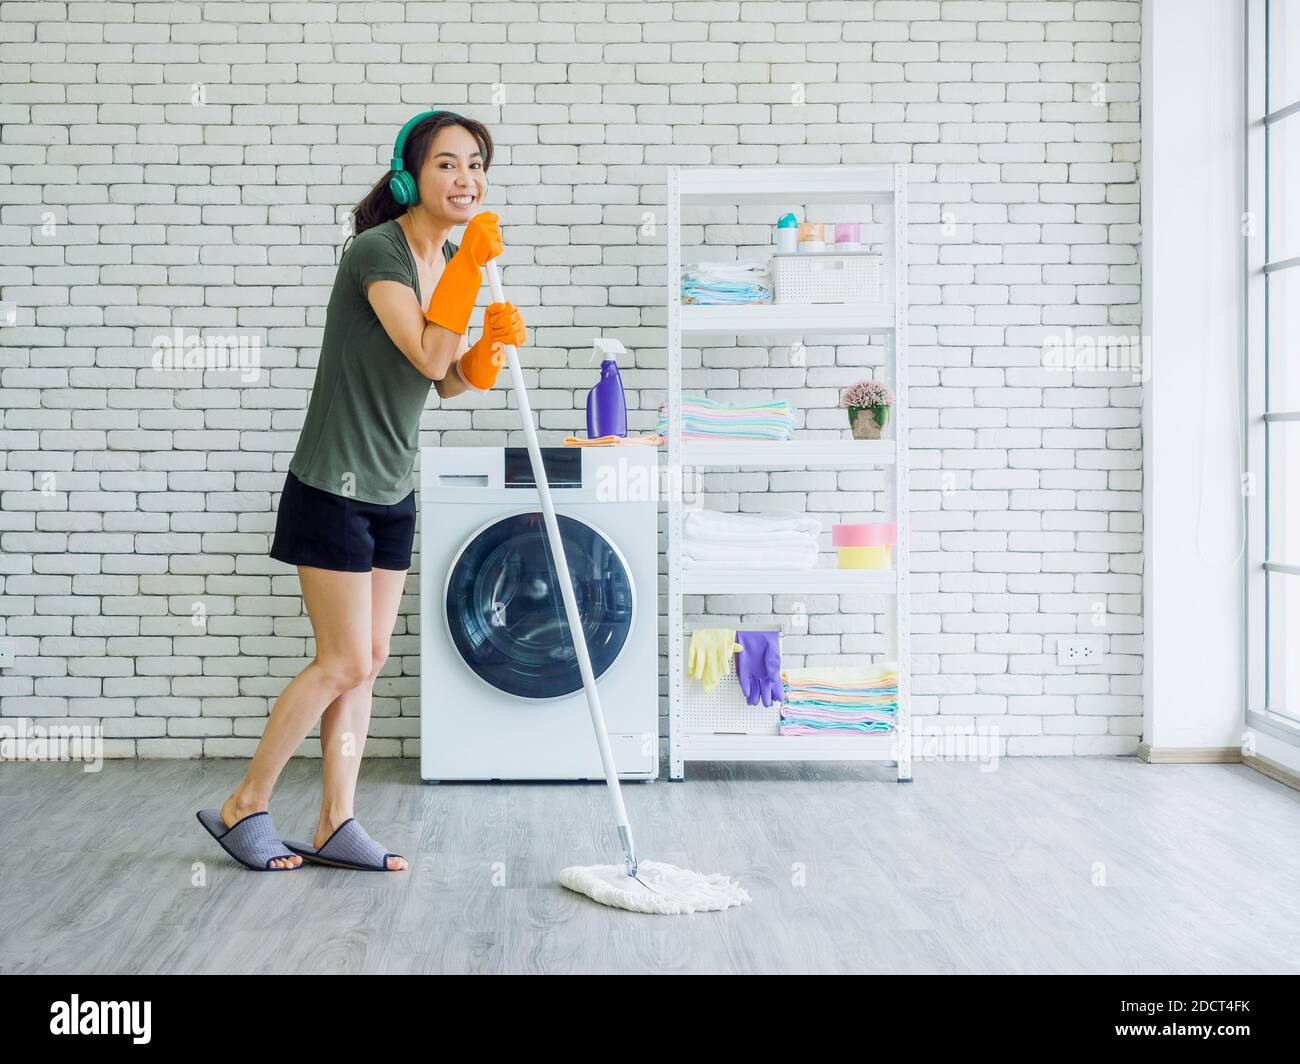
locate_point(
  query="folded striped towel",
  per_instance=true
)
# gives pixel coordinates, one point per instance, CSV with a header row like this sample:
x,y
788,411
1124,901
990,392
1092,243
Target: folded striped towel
x,y
800,727
704,419
846,679
818,700
726,283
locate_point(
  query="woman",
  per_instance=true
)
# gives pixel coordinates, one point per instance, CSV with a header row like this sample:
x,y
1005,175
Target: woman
x,y
347,512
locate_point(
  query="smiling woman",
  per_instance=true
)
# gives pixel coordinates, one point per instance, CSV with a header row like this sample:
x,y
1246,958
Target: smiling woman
x,y
396,324
410,182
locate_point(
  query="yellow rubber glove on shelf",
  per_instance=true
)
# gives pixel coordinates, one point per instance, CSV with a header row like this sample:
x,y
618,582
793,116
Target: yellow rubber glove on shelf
x,y
712,652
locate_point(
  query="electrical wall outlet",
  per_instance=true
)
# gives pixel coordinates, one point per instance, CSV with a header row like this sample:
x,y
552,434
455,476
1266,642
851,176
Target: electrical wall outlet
x,y
6,654
1078,650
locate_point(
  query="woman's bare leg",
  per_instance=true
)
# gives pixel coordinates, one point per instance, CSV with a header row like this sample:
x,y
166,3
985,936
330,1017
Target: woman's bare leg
x,y
338,604
346,722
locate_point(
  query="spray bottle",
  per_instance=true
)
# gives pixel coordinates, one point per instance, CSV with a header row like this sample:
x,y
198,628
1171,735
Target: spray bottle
x,y
606,404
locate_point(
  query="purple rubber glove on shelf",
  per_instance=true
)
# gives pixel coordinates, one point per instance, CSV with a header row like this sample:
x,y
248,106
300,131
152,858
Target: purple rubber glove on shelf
x,y
758,667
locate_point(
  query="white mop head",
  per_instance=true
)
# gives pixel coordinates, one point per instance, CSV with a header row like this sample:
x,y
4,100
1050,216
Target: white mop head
x,y
659,888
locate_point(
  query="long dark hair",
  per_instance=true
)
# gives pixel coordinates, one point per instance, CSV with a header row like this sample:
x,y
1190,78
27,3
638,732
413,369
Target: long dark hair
x,y
378,205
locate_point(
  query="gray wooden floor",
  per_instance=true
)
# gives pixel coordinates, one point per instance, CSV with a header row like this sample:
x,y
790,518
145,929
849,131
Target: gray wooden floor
x,y
1045,865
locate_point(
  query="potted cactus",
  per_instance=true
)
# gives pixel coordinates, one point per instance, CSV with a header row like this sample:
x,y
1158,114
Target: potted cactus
x,y
868,403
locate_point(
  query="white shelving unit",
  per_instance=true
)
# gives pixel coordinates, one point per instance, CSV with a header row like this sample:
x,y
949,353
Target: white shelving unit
x,y
739,729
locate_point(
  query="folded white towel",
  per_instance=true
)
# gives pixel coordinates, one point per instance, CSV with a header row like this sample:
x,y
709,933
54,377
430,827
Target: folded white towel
x,y
705,521
723,555
727,269
752,560
799,541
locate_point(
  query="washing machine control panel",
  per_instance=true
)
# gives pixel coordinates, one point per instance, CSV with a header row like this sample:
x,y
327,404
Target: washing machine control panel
x,y
563,466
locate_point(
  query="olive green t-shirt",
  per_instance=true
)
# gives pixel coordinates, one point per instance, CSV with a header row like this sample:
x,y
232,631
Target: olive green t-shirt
x,y
362,428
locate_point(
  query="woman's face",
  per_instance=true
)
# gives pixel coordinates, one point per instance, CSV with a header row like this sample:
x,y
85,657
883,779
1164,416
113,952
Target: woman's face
x,y
453,181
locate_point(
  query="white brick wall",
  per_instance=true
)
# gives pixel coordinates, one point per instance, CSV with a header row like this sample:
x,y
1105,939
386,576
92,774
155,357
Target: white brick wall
x,y
130,499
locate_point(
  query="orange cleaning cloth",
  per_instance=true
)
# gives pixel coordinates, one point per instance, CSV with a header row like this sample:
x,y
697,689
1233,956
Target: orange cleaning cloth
x,y
648,440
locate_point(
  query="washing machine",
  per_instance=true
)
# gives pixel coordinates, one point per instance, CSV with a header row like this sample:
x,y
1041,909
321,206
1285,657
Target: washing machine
x,y
501,696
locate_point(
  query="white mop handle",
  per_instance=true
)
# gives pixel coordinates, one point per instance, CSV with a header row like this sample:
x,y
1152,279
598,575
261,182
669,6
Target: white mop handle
x,y
562,569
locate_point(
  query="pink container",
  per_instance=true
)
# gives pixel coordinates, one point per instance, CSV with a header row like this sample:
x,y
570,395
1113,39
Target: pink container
x,y
866,534
882,534
848,232
849,535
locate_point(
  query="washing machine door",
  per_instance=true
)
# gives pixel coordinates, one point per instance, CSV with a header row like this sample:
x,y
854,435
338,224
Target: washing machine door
x,y
505,611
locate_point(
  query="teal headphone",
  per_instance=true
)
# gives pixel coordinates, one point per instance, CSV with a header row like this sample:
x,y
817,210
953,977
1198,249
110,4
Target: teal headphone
x,y
402,184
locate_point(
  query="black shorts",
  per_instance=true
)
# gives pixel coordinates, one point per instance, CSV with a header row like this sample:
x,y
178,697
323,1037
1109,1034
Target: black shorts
x,y
328,531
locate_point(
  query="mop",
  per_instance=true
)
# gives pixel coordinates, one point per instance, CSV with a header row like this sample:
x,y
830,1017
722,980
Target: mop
x,y
649,886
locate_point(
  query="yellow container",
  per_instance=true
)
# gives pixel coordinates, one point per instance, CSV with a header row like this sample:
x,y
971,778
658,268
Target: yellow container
x,y
863,557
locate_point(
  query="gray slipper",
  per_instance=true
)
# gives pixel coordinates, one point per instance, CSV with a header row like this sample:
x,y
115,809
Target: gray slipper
x,y
348,847
252,842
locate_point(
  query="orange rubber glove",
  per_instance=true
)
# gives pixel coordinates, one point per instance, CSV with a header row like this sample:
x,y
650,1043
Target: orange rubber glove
x,y
453,298
502,325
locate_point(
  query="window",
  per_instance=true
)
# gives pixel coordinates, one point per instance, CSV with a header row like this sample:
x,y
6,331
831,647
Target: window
x,y
1272,230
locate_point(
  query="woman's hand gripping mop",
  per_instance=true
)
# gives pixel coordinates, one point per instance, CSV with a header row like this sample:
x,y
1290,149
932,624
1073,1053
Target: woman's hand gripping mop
x,y
648,887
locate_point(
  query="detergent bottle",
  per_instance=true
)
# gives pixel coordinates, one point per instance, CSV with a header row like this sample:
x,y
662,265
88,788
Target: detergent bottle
x,y
606,404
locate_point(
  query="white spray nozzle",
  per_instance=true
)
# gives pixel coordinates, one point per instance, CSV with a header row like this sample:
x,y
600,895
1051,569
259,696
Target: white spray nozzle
x,y
608,346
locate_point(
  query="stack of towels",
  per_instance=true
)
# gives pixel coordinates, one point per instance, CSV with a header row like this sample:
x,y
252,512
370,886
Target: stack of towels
x,y
781,539
839,700
710,419
726,283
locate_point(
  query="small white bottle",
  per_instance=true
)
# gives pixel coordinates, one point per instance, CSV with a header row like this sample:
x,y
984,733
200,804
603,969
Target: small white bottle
x,y
787,235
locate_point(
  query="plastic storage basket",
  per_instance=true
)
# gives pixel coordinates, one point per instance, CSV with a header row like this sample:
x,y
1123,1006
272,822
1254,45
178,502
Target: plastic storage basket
x,y
850,278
